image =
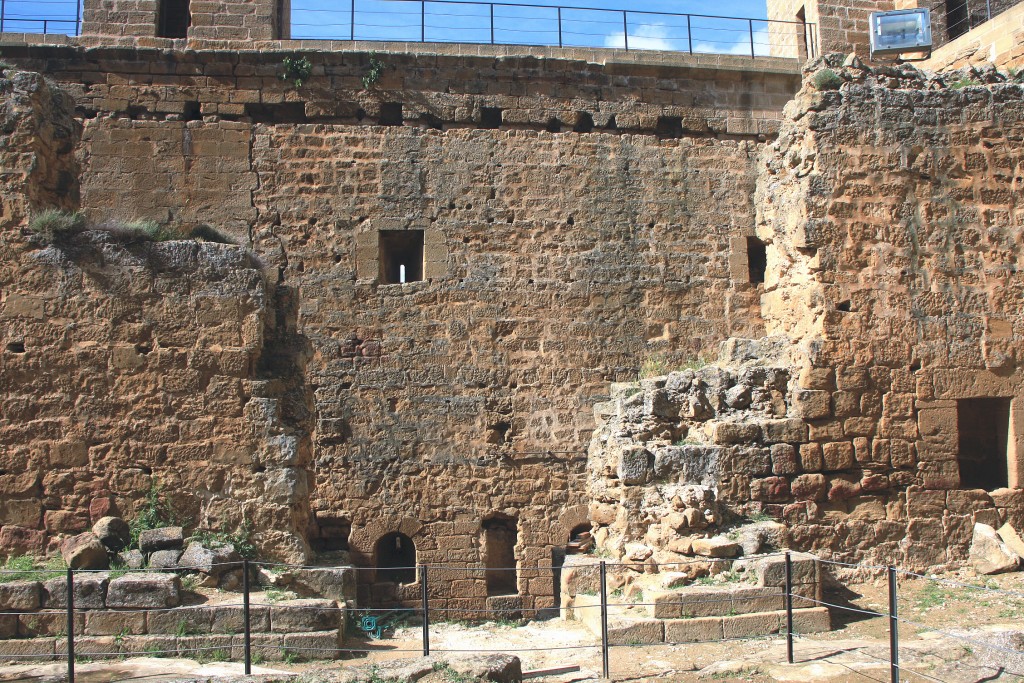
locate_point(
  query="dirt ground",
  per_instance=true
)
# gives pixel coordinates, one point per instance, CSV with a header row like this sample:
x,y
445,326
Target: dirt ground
x,y
949,633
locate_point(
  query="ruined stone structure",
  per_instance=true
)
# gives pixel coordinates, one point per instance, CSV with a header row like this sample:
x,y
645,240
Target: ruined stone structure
x,y
560,221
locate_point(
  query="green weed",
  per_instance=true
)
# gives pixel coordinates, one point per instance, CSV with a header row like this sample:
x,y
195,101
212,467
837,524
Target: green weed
x,y
964,83
827,79
297,70
27,568
373,72
289,657
155,513
184,628
240,538
55,225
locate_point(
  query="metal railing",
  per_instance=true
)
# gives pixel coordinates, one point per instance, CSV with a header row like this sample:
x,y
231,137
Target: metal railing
x,y
63,17
493,23
964,15
250,650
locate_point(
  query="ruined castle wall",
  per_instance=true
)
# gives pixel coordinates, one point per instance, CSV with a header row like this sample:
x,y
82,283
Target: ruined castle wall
x,y
891,205
126,365
555,262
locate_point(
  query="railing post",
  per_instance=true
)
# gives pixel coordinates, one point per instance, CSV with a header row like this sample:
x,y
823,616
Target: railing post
x,y
245,618
423,21
425,597
78,18
750,22
689,34
625,29
789,608
492,23
559,27
604,621
894,632
352,17
3,11
71,625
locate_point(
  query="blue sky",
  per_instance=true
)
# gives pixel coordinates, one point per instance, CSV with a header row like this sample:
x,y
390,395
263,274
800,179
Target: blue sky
x,y
653,25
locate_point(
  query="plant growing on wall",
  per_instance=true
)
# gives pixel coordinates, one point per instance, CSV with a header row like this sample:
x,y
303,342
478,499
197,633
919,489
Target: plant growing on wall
x,y
373,72
827,79
296,70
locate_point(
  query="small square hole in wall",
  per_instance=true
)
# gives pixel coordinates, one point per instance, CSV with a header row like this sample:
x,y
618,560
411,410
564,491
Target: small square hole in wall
x,y
401,256
391,114
490,117
757,260
984,429
174,19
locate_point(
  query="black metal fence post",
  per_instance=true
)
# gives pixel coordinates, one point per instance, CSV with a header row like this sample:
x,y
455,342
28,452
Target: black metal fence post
x,y
71,625
245,617
894,632
423,21
492,23
425,593
3,12
604,620
750,23
78,18
789,608
559,27
352,17
689,34
625,30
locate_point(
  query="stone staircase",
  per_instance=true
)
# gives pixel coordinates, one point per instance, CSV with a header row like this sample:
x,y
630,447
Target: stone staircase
x,y
751,605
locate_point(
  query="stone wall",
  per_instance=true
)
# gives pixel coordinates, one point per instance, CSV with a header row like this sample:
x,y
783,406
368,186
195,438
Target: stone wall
x,y
555,262
891,222
999,42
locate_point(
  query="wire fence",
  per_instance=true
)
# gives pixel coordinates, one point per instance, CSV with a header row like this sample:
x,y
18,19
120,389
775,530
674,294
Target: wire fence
x,y
256,608
41,16
963,15
455,21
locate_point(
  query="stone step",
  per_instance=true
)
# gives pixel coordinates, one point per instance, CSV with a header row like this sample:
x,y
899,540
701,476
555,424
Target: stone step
x,y
626,630
311,645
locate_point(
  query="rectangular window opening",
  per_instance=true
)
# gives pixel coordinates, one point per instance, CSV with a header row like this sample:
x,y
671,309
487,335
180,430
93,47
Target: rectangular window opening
x,y
391,114
401,256
757,260
174,19
984,429
490,117
500,537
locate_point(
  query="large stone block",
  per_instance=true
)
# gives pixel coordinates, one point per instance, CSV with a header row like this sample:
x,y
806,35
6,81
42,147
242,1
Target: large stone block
x,y
313,645
144,591
700,630
792,430
636,631
752,625
114,623
811,404
304,615
166,538
90,591
20,596
989,555
113,533
84,551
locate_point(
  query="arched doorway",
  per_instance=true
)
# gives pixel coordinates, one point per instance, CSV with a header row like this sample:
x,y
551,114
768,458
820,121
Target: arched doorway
x,y
395,556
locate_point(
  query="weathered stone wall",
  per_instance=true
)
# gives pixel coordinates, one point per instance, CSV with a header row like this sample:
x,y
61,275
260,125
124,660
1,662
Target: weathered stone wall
x,y
892,224
126,365
999,42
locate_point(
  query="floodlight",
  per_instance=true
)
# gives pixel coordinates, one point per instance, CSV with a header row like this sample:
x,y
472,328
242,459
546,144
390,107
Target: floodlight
x,y
905,30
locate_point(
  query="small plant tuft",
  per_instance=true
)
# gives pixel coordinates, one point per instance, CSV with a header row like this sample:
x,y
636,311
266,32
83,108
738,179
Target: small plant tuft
x,y
827,79
55,225
155,513
373,72
964,83
240,538
653,366
297,70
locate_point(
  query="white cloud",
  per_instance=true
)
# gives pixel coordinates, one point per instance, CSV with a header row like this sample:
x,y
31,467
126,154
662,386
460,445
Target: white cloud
x,y
646,37
762,48
657,37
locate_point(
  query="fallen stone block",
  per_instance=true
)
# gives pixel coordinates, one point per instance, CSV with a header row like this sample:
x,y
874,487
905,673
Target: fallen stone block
x,y
84,551
113,533
212,561
164,559
715,547
304,615
20,596
699,630
144,591
1009,536
166,538
90,592
331,583
132,559
988,554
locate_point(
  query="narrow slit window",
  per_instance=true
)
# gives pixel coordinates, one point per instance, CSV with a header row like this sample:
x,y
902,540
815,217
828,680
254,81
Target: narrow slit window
x,y
500,537
757,260
396,558
174,19
401,256
984,429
